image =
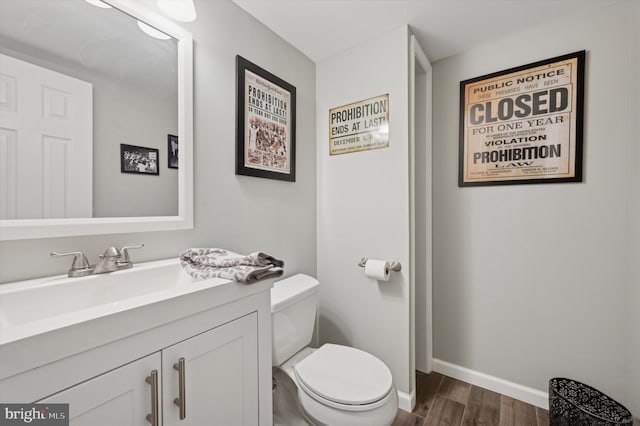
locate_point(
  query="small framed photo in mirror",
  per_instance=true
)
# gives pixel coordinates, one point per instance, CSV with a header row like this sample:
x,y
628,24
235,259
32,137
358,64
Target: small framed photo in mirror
x,y
172,151
138,159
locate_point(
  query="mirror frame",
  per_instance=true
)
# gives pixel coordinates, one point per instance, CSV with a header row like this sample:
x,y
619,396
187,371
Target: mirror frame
x,y
20,229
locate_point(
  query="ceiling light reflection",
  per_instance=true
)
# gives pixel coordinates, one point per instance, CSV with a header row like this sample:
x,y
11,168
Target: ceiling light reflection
x,y
152,31
98,3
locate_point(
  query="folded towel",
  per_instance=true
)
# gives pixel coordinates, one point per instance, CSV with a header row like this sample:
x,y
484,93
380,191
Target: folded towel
x,y
202,263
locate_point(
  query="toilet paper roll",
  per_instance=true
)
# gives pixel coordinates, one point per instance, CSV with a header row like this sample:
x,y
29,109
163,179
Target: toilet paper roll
x,y
378,269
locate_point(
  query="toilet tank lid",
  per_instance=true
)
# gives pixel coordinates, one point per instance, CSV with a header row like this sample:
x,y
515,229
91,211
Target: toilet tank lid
x,y
292,289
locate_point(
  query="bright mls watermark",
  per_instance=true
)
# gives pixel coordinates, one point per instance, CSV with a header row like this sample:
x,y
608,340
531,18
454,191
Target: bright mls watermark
x,y
34,414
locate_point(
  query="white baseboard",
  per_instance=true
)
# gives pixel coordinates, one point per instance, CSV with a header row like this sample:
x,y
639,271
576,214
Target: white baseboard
x,y
406,401
496,384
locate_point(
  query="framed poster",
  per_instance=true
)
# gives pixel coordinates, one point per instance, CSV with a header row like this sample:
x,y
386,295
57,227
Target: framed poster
x,y
138,159
172,151
266,124
523,125
360,126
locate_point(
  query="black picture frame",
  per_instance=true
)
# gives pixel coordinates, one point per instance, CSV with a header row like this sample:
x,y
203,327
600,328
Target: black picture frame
x,y
139,160
523,125
265,123
172,151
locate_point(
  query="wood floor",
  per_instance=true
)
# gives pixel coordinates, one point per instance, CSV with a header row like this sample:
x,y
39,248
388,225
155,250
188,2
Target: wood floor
x,y
441,400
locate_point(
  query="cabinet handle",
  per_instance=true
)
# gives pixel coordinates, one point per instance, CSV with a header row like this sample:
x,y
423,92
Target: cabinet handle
x,y
180,401
152,379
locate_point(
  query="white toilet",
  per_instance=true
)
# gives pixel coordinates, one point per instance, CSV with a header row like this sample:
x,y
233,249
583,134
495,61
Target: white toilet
x,y
337,385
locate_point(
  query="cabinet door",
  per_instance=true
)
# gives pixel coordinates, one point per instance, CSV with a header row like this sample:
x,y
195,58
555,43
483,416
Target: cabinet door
x,y
220,376
120,397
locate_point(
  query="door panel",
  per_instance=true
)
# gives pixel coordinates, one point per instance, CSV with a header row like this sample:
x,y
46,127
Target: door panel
x,y
46,126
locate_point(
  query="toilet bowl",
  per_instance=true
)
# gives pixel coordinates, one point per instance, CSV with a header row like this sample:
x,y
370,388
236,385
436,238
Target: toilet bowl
x,y
337,385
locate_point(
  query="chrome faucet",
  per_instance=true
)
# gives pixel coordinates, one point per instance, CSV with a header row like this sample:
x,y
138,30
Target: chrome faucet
x,y
108,261
111,260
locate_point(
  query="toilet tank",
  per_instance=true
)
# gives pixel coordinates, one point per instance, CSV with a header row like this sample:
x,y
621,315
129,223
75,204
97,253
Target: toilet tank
x,y
294,302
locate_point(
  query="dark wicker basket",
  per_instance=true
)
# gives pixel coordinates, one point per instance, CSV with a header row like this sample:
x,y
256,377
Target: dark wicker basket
x,y
572,403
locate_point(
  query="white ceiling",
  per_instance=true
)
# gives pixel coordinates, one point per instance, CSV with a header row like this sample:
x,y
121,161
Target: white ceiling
x,y
321,28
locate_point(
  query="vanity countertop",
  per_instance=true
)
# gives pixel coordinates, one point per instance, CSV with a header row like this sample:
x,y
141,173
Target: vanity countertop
x,y
46,319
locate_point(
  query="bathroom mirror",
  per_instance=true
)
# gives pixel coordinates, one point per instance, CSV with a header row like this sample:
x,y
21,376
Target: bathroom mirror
x,y
109,86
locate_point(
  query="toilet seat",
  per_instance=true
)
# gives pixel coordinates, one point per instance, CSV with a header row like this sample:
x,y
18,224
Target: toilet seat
x,y
345,378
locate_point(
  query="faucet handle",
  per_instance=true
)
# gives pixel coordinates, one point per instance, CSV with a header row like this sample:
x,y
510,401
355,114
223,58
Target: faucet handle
x,y
78,257
125,260
125,251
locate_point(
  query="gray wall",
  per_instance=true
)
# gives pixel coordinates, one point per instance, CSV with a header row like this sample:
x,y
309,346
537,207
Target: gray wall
x,y
531,281
142,118
235,212
355,219
634,210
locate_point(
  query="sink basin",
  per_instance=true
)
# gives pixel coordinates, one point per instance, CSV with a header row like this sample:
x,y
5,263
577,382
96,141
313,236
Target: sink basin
x,y
51,319
36,306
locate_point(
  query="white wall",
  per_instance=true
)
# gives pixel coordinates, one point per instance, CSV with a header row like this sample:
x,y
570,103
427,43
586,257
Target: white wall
x,y
363,207
531,281
237,212
634,210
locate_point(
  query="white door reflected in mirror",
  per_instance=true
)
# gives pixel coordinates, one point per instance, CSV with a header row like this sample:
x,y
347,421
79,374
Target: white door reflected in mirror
x,y
46,141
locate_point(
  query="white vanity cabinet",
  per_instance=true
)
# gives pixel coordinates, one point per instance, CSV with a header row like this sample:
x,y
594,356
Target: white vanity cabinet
x,y
220,377
211,345
120,397
211,378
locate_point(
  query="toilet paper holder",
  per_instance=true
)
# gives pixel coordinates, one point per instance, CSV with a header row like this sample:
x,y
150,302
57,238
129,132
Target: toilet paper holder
x,y
393,266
